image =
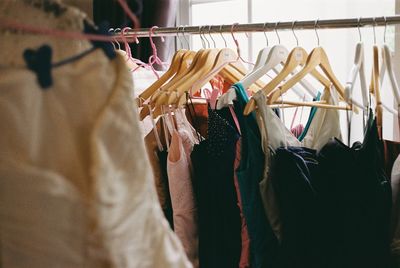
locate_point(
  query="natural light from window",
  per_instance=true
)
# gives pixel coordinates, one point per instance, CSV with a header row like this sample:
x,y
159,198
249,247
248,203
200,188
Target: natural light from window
x,y
339,44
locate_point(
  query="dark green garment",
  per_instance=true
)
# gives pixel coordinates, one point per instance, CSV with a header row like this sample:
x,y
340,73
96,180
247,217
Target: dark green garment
x,y
263,243
310,118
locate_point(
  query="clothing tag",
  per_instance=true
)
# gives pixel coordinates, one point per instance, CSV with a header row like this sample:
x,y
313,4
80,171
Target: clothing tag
x,y
39,61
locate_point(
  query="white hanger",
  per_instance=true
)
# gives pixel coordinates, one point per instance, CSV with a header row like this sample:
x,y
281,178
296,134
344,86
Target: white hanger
x,y
358,69
273,59
262,55
268,59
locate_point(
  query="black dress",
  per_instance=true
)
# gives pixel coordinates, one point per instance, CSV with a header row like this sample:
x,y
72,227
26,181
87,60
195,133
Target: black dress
x,y
219,222
335,205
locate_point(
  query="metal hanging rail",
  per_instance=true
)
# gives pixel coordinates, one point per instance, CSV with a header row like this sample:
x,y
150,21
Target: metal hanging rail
x,y
269,26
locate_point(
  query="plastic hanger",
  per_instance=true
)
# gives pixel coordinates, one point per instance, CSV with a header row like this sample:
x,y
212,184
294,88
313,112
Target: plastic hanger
x,y
235,71
262,55
276,55
238,65
132,63
227,99
297,57
316,58
272,59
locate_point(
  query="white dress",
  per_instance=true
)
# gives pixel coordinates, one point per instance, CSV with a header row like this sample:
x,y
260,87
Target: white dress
x,y
274,134
76,187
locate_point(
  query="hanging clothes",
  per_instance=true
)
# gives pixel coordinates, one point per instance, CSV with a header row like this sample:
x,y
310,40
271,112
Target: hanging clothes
x,y
324,126
218,212
263,243
158,160
245,252
334,204
179,170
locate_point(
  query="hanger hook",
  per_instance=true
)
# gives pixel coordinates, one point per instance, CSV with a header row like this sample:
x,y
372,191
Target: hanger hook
x,y
134,35
184,37
294,34
235,40
177,35
384,32
205,37
265,34
373,28
116,31
315,29
359,30
112,30
276,32
203,44
209,33
220,32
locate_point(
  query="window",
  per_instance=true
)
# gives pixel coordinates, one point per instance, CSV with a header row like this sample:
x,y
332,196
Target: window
x,y
338,43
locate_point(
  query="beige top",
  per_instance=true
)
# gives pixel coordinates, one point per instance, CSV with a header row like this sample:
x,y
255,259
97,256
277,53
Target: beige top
x,y
76,188
274,134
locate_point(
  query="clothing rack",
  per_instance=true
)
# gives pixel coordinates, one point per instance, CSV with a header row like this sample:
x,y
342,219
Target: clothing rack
x,y
267,26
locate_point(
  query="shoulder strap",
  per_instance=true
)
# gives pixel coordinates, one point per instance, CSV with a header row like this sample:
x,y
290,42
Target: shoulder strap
x,y
159,144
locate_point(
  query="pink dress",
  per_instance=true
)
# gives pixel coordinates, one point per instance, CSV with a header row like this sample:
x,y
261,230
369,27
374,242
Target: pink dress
x,y
181,189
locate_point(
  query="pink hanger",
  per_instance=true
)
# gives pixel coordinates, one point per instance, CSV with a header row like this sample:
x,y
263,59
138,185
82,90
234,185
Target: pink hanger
x,y
154,58
237,44
131,15
129,52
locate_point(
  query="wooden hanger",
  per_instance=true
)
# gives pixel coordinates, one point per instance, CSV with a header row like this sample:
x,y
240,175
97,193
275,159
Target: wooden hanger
x,y
374,87
387,67
208,70
316,58
175,65
160,97
297,57
275,57
186,61
382,72
180,62
223,59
